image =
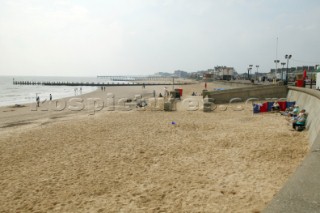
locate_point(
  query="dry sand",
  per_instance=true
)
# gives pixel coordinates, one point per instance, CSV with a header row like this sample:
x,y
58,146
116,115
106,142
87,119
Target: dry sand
x,y
138,161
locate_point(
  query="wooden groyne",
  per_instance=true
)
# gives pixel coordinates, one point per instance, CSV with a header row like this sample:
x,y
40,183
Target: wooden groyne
x,y
137,78
92,84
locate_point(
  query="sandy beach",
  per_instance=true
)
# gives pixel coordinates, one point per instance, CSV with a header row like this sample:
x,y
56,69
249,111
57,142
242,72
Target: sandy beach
x,y
144,160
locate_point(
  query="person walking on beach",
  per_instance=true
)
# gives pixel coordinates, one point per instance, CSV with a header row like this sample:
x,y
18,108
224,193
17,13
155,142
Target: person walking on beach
x,y
38,101
50,97
80,90
166,92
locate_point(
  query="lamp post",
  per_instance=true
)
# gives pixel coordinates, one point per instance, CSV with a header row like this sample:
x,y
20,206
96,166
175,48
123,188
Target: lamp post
x,y
315,68
249,69
257,66
282,63
287,57
172,82
276,62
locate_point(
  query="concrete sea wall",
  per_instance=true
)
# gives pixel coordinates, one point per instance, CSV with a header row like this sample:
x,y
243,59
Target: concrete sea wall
x,y
301,193
256,91
310,100
234,84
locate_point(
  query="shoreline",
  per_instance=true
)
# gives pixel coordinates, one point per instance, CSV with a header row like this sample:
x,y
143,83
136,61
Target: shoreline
x,y
17,105
21,116
147,83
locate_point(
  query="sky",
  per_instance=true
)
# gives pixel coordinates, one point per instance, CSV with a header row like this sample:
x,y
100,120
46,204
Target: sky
x,y
143,37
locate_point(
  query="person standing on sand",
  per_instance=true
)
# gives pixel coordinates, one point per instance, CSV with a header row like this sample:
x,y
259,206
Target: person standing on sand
x,y
38,101
50,97
166,92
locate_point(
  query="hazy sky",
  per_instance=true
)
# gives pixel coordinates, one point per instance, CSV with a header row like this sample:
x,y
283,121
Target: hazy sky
x,y
118,37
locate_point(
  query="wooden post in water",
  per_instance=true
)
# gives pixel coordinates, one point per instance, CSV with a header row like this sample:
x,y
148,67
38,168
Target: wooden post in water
x,y
172,83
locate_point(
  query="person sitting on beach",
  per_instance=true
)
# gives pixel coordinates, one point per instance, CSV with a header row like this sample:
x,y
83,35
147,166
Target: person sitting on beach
x,y
193,93
295,111
303,111
141,103
160,95
275,106
287,111
300,120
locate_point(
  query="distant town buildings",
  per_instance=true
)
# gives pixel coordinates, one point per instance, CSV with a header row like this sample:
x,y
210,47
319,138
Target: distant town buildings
x,y
229,73
224,73
181,74
217,73
292,72
163,74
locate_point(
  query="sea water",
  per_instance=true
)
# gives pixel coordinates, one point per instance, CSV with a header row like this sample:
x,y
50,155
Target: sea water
x,y
11,94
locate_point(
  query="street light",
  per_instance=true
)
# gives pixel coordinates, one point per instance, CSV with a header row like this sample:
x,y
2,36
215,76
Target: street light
x,y
315,68
276,62
287,57
257,66
282,63
250,68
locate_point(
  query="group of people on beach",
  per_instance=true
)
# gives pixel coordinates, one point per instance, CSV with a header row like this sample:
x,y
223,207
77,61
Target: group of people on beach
x,y
76,91
297,117
38,99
